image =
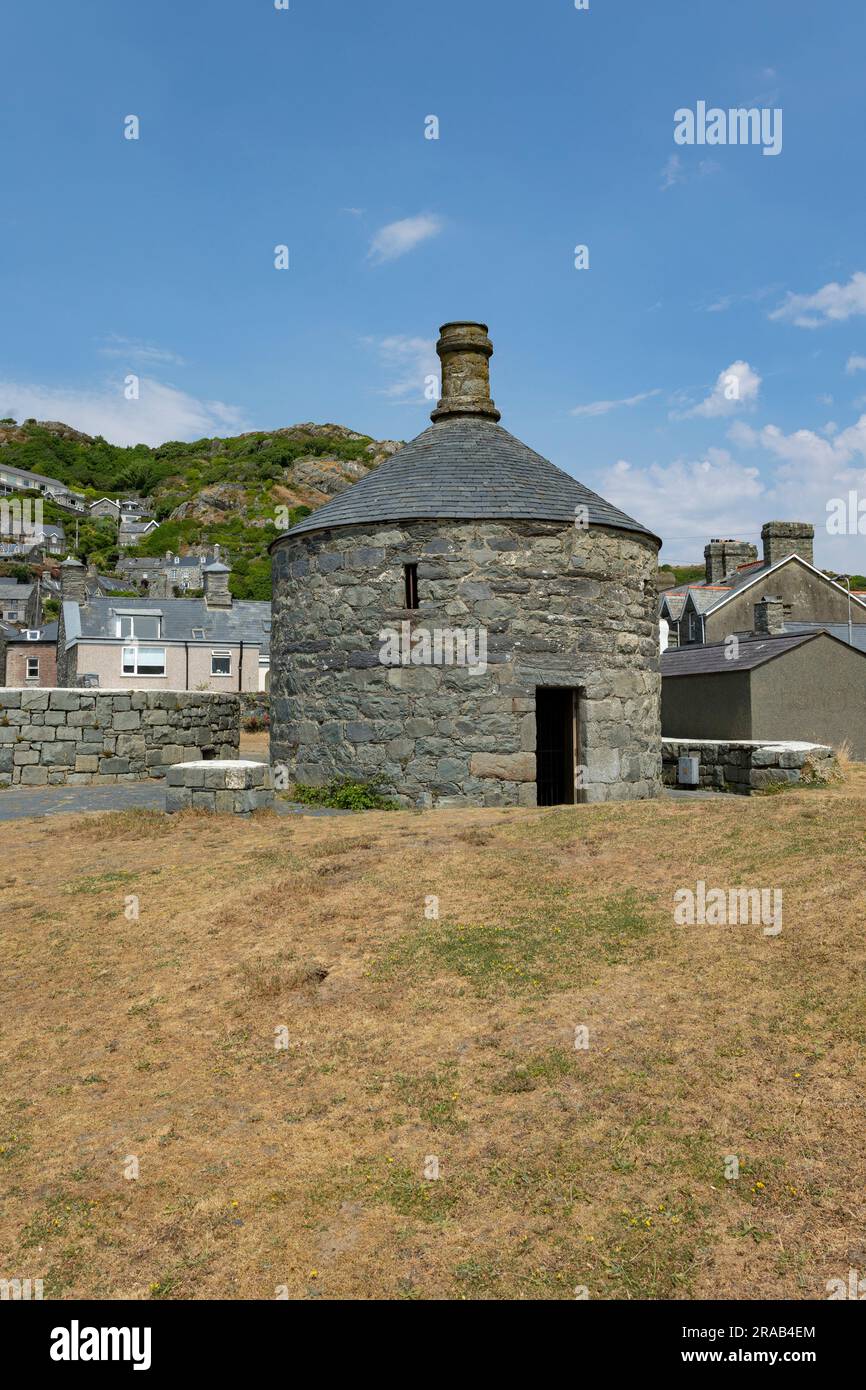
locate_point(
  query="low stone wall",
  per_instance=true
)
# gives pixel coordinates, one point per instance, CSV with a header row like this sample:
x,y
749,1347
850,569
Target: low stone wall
x,y
52,737
746,767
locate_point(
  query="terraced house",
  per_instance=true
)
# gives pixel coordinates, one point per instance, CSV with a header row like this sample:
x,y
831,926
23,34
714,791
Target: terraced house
x,y
737,579
214,643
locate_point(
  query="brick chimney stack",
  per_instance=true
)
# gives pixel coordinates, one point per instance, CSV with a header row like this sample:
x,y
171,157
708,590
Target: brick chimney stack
x,y
464,351
781,538
769,616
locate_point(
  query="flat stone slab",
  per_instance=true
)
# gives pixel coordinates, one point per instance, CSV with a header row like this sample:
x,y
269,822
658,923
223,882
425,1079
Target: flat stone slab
x,y
234,786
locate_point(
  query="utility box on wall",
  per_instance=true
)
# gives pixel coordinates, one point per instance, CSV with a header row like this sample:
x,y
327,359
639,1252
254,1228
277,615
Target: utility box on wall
x,y
688,772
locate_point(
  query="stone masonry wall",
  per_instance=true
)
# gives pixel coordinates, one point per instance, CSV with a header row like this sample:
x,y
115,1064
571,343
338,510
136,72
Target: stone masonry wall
x,y
745,766
560,605
52,737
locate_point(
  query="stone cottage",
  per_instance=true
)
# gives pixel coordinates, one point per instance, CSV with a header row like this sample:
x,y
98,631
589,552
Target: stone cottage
x,y
468,625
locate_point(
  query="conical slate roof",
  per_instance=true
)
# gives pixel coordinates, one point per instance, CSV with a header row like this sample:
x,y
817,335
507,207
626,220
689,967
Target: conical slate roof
x,y
465,467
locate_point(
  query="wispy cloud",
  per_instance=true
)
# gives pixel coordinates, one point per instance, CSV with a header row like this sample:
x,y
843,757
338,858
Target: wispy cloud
x,y
605,407
411,362
833,303
736,386
672,173
675,172
160,413
397,238
134,350
855,363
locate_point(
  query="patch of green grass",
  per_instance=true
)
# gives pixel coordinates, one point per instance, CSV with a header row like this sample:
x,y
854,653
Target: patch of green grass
x,y
99,883
343,795
555,951
541,1068
433,1095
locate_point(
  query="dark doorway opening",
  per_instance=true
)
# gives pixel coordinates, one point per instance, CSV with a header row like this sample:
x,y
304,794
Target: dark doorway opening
x,y
556,740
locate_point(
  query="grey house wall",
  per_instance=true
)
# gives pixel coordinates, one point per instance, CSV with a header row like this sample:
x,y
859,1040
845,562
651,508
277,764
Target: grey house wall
x,y
812,599
816,692
716,705
560,606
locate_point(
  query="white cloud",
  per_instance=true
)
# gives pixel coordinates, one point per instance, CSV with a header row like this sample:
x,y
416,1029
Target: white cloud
x,y
160,413
134,350
687,501
604,407
411,362
831,304
397,238
672,173
737,385
855,363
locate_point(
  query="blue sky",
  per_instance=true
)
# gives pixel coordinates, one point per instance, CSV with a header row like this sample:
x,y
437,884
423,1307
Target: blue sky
x,y
305,127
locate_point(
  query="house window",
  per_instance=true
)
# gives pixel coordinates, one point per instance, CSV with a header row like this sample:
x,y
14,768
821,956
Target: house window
x,y
220,663
33,668
12,614
144,661
410,577
141,625
198,633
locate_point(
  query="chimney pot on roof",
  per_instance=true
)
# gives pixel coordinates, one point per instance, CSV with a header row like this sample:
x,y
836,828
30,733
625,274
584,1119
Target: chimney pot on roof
x,y
464,352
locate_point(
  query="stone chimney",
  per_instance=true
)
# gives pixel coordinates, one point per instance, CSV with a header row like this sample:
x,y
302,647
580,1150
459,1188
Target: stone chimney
x,y
215,578
73,576
723,557
769,616
464,351
783,538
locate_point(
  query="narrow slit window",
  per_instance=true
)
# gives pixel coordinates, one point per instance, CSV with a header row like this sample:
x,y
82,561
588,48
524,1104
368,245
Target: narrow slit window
x,y
410,574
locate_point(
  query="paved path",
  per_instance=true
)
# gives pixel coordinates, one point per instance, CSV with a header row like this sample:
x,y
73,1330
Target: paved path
x,y
16,803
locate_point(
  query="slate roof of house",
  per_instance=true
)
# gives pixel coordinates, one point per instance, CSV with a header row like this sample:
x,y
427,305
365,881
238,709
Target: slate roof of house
x,y
706,597
248,620
465,467
48,633
706,658
10,588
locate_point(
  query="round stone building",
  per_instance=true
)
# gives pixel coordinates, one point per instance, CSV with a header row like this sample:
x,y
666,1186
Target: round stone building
x,y
468,625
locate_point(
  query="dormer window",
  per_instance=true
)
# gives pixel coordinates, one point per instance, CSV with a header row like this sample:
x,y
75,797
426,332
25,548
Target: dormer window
x,y
146,626
410,580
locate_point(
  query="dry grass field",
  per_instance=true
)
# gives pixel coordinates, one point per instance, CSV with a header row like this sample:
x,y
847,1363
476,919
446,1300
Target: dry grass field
x,y
302,1166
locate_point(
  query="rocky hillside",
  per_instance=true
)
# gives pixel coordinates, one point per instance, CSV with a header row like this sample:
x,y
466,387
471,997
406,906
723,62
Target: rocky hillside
x,y
212,490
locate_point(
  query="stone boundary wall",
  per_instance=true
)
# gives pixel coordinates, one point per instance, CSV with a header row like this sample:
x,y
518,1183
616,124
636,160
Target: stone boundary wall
x,y
75,737
747,766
